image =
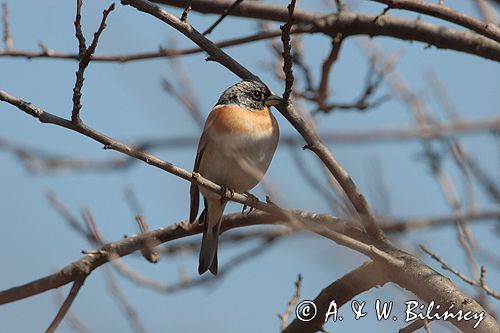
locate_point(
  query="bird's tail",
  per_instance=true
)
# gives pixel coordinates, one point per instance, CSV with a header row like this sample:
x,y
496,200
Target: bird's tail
x,y
211,219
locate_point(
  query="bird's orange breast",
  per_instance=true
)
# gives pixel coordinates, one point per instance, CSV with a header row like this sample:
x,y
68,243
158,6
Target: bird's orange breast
x,y
236,119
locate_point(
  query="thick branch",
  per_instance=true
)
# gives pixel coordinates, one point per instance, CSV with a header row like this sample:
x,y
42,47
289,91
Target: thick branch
x,y
448,14
350,24
363,278
126,246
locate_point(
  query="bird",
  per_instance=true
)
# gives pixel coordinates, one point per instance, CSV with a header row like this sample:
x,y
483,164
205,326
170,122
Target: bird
x,y
235,150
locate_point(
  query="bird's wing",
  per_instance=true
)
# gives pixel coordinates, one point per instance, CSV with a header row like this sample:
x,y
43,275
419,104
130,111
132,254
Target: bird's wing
x,y
194,191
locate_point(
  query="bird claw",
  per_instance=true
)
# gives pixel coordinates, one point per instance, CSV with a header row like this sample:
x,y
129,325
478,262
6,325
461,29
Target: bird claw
x,y
226,193
254,200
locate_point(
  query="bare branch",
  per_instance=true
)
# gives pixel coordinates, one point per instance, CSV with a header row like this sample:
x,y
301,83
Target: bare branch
x,y
77,284
148,250
320,223
327,65
133,318
162,53
291,303
414,224
350,24
287,57
7,35
363,278
480,284
448,14
84,57
224,14
73,320
487,12
186,11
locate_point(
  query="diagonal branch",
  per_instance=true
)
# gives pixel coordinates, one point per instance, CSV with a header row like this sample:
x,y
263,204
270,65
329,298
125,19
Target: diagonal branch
x,y
480,284
363,278
77,284
186,11
223,16
110,143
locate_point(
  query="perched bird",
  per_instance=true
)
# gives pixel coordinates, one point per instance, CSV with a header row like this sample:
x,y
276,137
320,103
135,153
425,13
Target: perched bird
x,y
235,149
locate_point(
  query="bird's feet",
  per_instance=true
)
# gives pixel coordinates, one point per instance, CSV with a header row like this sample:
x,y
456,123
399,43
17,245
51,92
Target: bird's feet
x,y
254,200
226,194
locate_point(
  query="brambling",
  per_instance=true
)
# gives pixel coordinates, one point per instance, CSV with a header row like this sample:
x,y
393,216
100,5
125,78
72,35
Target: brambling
x,y
235,149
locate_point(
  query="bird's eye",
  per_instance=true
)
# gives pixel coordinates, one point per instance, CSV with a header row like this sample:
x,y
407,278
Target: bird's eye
x,y
257,94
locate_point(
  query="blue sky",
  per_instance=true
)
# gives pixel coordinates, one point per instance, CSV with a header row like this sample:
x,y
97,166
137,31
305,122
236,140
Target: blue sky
x,y
126,101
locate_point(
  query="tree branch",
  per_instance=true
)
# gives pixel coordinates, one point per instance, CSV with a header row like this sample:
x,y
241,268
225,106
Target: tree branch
x,y
480,284
350,24
287,57
111,251
7,36
224,14
448,14
363,278
84,56
162,53
77,284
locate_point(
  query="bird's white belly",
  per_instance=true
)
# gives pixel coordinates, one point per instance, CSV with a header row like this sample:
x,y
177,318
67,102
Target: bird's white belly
x,y
238,161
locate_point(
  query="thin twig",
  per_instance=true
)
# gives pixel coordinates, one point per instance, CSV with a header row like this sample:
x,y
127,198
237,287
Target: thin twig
x,y
185,93
413,224
7,35
186,11
468,163
327,66
73,320
132,201
84,56
291,303
224,14
133,318
287,57
148,249
46,53
487,12
77,284
480,284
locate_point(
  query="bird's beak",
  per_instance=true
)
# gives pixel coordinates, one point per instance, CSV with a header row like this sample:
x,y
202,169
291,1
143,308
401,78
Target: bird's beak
x,y
273,100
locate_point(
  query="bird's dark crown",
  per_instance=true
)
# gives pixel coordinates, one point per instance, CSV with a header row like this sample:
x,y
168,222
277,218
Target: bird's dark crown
x,y
247,93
